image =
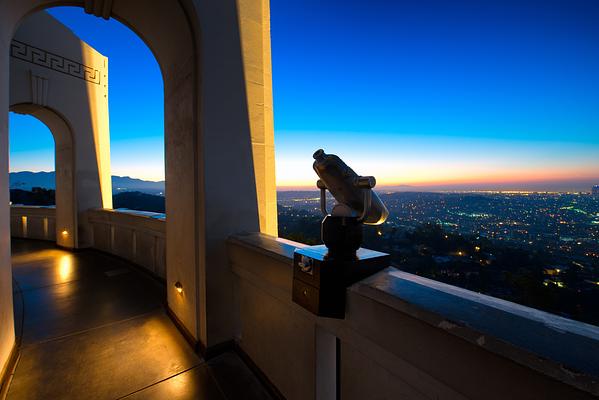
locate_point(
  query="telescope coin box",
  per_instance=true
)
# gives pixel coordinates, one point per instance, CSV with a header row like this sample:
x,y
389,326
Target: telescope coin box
x,y
320,281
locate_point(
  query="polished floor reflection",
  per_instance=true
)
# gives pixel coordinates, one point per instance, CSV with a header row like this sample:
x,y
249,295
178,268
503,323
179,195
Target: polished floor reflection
x,y
92,327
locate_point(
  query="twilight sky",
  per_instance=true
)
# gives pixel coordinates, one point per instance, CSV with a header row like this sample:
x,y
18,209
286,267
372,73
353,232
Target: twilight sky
x,y
434,94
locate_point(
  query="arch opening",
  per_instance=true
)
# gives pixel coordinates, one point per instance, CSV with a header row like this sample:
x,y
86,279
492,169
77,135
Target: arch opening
x,y
167,31
219,144
64,223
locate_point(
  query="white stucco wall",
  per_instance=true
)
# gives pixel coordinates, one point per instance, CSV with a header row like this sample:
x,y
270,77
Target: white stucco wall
x,y
137,238
47,72
62,81
215,61
404,337
31,222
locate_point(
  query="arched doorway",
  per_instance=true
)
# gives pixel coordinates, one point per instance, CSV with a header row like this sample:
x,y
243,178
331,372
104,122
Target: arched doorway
x,y
66,203
165,27
219,143
63,81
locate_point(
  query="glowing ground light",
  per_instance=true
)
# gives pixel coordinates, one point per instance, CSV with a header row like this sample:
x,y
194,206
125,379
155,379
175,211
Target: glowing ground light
x,y
24,225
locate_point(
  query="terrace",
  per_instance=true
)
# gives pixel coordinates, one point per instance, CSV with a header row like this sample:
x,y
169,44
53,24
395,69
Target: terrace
x,y
111,304
90,325
402,336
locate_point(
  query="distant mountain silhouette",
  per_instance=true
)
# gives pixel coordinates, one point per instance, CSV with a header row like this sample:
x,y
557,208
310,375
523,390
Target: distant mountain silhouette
x,y
128,184
27,180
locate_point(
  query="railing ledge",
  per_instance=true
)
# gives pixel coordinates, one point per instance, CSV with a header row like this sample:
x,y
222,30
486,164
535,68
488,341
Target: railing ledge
x,y
556,347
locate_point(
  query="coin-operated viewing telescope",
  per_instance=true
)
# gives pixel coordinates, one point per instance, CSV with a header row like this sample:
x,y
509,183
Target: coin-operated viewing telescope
x,y
356,204
322,273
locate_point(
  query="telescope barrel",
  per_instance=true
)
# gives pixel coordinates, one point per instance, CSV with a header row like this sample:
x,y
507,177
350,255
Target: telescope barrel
x,y
349,188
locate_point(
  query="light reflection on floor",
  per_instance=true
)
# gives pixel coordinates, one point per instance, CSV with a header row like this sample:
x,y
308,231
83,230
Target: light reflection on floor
x,y
88,334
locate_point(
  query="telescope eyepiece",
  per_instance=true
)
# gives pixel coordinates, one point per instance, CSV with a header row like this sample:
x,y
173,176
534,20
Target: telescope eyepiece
x,y
319,155
365,182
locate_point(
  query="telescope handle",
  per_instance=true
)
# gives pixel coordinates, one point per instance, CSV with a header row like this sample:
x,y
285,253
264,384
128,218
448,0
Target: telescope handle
x,y
323,196
367,204
366,183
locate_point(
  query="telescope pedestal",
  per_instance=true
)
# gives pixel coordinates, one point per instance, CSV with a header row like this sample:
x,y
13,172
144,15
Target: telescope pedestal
x,y
322,273
320,279
342,235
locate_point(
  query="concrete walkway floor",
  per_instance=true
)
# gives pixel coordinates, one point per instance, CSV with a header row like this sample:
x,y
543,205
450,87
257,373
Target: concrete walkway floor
x,y
91,326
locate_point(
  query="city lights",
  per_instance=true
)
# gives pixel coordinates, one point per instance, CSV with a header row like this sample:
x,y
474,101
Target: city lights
x,y
492,239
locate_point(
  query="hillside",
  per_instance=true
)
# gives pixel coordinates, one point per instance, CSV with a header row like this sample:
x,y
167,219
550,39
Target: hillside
x,y
139,201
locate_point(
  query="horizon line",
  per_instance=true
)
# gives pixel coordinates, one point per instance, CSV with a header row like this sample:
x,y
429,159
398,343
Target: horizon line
x,y
450,186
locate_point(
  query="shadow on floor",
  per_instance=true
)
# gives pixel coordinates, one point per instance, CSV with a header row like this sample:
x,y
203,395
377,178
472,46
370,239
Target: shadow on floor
x,y
91,326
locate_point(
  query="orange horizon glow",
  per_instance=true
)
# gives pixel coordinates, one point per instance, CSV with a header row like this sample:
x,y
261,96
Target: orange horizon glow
x,y
499,179
452,162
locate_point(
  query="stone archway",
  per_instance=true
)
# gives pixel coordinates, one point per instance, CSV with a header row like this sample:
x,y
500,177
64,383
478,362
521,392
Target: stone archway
x,y
219,140
66,207
166,28
63,81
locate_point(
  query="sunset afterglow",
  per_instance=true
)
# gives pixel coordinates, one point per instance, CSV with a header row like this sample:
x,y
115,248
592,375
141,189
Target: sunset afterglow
x,y
499,96
441,163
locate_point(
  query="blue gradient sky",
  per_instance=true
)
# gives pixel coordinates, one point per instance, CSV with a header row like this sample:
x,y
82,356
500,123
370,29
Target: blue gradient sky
x,y
429,93
136,103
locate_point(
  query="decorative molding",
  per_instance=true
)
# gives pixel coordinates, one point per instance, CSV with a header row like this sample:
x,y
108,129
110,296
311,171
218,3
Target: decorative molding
x,y
39,90
43,58
99,8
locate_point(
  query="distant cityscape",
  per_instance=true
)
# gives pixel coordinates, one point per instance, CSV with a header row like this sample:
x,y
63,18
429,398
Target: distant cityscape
x,y
536,249
539,249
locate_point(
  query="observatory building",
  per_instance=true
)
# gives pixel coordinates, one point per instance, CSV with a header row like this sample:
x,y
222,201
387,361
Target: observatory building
x,y
108,304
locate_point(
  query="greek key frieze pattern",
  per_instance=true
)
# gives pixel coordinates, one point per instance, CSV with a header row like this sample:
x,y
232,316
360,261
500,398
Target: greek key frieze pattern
x,y
37,56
